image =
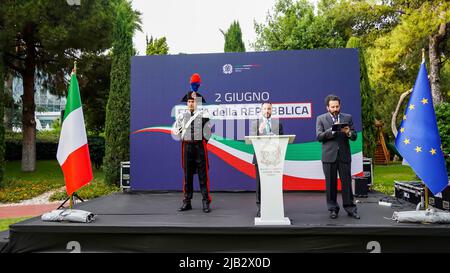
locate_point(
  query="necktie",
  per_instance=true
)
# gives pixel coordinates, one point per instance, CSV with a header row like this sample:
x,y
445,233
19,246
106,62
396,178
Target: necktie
x,y
336,119
267,127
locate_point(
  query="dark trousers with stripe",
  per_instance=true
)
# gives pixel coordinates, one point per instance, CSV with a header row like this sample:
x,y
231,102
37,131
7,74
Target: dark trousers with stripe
x,y
330,170
258,187
195,160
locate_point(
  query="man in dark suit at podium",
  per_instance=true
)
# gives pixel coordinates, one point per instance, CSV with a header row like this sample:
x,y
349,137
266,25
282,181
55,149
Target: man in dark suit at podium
x,y
336,155
265,125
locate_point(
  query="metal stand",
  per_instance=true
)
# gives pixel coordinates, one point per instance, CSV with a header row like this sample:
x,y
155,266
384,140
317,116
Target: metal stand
x,y
423,200
68,199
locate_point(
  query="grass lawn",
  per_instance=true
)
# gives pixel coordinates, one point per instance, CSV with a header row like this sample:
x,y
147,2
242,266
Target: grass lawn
x,y
384,176
48,176
96,188
4,223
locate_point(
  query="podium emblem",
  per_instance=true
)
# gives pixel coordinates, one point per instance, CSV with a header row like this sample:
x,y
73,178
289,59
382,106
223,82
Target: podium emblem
x,y
270,154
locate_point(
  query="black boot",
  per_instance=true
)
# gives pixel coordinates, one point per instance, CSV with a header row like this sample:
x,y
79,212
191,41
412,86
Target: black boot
x,y
206,208
185,206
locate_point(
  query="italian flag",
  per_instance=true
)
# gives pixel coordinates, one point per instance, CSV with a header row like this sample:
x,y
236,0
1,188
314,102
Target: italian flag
x,y
73,150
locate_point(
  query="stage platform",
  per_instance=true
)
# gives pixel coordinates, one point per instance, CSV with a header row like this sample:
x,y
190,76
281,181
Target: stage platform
x,y
150,222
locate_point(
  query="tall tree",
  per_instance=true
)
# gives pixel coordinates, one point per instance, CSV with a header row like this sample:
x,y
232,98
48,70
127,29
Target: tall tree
x,y
438,47
394,58
367,107
42,39
117,127
8,101
365,19
293,25
2,128
94,72
157,46
233,38
392,33
2,98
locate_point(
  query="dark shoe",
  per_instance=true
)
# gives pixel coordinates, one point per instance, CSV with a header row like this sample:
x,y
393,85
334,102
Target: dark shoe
x,y
206,208
333,214
354,215
258,214
185,206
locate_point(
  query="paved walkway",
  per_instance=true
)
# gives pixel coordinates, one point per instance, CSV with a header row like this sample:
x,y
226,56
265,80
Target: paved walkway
x,y
32,207
26,210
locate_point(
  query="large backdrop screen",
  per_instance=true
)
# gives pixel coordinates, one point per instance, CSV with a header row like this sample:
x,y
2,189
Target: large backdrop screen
x,y
234,85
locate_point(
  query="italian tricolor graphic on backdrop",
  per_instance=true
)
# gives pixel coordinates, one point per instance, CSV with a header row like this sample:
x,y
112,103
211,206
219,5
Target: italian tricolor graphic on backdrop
x,y
73,150
302,168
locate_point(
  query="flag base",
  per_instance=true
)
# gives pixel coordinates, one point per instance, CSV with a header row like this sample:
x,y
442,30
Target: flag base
x,y
68,198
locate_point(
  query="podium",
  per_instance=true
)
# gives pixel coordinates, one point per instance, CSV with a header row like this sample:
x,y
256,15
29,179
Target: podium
x,y
270,151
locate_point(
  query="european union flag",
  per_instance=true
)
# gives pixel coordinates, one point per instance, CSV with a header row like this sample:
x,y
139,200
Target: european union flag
x,y
418,139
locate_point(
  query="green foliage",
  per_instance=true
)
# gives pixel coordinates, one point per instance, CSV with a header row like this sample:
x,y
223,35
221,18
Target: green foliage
x,y
394,58
364,19
443,120
117,124
157,46
21,186
445,78
2,128
5,223
94,79
393,150
392,34
384,176
96,150
293,25
95,189
47,146
41,39
233,38
57,126
367,107
57,33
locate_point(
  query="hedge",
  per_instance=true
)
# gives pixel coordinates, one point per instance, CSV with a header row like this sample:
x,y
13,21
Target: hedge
x,y
47,146
443,120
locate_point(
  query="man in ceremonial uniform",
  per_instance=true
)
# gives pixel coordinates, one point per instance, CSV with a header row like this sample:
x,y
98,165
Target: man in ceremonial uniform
x,y
193,128
265,125
336,155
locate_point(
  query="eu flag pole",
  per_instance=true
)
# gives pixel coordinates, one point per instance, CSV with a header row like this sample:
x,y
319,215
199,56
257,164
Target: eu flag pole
x,y
418,139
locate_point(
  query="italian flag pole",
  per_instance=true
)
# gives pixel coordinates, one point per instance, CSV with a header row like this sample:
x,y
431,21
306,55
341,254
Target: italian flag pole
x,y
73,150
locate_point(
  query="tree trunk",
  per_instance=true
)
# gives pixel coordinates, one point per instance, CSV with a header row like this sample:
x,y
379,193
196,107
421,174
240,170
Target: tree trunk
x,y
8,118
397,109
28,121
435,63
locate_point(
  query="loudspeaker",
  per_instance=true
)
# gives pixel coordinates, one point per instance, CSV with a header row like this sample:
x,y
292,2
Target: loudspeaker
x,y
440,201
411,191
360,186
125,175
368,169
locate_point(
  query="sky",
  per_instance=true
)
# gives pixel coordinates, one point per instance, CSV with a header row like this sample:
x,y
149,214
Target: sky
x,y
193,26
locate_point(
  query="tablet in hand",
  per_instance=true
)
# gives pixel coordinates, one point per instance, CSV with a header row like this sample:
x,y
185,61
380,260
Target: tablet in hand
x,y
338,126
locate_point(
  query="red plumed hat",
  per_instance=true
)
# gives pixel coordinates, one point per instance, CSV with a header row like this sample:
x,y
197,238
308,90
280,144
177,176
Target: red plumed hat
x,y
195,78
